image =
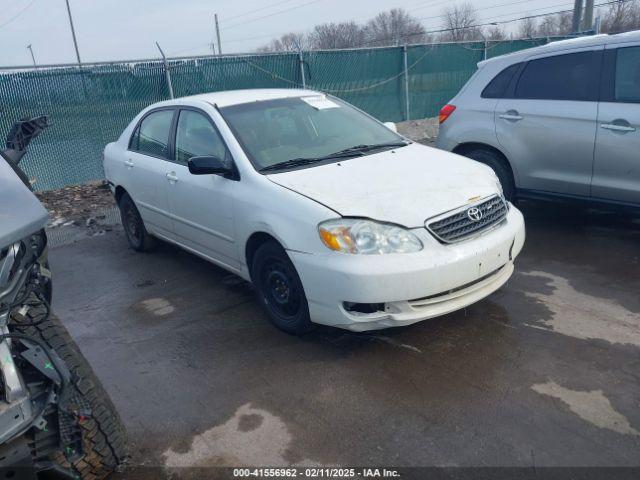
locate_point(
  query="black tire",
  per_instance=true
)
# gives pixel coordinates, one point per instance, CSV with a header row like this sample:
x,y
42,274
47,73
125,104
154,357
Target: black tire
x,y
104,438
134,229
499,166
279,289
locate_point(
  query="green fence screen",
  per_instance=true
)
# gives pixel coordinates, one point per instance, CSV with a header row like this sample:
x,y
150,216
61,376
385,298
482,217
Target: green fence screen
x,y
90,106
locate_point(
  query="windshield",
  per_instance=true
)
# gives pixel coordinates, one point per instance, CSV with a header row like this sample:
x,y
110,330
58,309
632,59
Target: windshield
x,y
300,131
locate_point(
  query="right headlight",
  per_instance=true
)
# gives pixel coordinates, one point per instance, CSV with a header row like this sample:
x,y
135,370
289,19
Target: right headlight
x,y
366,237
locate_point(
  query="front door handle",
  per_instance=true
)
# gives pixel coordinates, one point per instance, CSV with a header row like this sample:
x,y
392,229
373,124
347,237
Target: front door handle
x,y
172,177
618,127
129,163
511,115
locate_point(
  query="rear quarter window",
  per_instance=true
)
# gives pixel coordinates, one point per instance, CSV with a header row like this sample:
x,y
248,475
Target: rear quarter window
x,y
497,87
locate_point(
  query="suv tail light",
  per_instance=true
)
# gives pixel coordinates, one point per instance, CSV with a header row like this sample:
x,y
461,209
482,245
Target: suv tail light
x,y
445,112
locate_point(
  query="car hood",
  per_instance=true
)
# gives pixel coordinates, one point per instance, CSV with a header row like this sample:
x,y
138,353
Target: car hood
x,y
405,186
21,213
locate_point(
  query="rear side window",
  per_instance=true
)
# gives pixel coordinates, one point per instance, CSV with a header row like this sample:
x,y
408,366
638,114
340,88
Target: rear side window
x,y
562,77
152,135
627,83
498,86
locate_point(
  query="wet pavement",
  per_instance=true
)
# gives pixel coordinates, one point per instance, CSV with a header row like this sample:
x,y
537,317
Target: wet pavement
x,y
545,372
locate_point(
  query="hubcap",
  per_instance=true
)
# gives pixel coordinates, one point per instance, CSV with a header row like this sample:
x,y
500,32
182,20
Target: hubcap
x,y
280,290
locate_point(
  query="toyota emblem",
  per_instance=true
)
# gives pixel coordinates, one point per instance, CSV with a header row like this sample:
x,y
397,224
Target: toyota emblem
x,y
474,214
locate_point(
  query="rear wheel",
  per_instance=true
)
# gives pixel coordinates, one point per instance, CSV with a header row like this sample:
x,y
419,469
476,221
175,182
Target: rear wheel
x,y
134,229
499,166
279,289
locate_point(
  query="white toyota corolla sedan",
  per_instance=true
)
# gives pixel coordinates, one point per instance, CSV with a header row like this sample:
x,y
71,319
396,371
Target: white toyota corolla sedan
x,y
334,217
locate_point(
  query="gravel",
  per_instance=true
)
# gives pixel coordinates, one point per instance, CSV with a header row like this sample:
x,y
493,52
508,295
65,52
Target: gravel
x,y
77,204
423,131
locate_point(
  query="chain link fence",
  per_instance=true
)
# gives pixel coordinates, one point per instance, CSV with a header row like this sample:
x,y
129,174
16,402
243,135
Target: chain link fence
x,y
90,105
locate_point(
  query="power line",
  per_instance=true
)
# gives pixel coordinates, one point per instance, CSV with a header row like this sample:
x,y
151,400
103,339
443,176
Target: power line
x,y
272,14
7,22
532,10
488,20
494,6
541,14
430,6
527,17
257,10
236,40
501,22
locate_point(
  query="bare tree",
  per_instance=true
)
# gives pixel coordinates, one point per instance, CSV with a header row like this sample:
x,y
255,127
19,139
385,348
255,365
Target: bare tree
x,y
565,23
527,28
336,35
548,27
459,22
555,25
289,42
621,16
394,27
495,34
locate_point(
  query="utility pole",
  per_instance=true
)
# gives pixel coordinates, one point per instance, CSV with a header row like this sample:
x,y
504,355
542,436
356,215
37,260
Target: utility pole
x,y
577,15
73,33
218,34
587,23
32,56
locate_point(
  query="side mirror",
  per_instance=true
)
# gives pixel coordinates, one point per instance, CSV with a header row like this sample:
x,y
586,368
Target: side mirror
x,y
209,166
391,126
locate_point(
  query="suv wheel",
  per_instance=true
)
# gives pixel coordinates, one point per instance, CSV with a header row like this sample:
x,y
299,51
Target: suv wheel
x,y
137,235
497,164
279,289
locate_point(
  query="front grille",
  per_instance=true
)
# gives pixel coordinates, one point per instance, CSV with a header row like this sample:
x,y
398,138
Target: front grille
x,y
458,225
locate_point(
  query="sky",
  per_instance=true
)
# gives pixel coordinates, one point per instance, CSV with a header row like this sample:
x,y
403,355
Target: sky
x,y
128,29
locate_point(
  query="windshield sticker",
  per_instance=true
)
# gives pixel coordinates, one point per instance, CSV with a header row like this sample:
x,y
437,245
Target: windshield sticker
x,y
320,102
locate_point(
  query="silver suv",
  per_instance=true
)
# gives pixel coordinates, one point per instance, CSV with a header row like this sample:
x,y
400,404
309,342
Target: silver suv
x,y
560,120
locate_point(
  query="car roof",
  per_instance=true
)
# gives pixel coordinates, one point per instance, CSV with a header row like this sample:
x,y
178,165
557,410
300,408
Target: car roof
x,y
235,97
572,43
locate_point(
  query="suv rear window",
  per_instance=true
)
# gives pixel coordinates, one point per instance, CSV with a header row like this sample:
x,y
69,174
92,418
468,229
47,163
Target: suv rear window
x,y
562,77
498,86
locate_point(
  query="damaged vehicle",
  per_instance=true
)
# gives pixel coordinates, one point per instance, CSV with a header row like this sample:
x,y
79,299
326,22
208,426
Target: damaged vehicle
x,y
333,216
56,420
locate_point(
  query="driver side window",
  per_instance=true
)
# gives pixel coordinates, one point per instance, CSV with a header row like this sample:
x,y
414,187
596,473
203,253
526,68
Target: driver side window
x,y
196,136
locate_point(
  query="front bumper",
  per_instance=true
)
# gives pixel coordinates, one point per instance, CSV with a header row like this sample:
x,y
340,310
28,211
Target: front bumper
x,y
413,287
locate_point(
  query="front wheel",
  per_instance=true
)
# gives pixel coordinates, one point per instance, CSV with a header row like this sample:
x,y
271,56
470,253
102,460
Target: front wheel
x,y
279,289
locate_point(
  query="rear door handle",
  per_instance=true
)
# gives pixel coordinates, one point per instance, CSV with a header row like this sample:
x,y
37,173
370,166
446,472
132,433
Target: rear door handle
x,y
172,177
129,163
617,128
511,115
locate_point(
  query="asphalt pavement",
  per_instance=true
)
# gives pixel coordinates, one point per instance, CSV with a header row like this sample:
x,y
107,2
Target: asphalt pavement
x,y
544,372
